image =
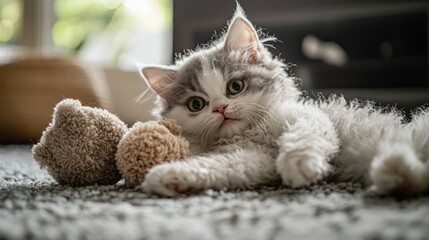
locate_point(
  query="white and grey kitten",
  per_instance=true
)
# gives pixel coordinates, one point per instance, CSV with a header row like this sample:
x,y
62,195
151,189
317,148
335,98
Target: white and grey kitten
x,y
248,124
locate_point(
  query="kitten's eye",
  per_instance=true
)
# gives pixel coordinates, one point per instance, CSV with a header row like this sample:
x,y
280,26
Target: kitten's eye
x,y
235,86
196,104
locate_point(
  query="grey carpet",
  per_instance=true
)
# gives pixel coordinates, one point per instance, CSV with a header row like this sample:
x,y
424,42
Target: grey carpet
x,y
32,206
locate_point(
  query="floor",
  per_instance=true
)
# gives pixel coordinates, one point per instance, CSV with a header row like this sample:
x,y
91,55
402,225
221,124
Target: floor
x,y
33,206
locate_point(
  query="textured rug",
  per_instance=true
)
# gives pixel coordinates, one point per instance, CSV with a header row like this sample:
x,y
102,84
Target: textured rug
x,y
33,206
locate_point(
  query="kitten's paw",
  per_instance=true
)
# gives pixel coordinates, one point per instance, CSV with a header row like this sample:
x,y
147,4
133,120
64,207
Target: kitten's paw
x,y
398,170
170,180
297,171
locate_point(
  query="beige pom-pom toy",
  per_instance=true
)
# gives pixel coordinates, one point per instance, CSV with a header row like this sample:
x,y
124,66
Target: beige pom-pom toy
x,y
148,144
86,146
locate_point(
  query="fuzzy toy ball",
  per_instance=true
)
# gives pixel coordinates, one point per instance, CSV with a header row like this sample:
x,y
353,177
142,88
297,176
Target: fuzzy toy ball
x,y
86,146
149,144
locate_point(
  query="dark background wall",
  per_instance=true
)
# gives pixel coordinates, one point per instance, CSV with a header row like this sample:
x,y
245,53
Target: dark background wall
x,y
385,42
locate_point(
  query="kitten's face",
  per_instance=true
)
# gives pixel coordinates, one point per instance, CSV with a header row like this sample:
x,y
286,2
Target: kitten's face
x,y
219,98
223,90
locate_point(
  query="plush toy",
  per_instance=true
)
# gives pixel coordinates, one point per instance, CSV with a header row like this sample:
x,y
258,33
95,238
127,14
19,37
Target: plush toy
x,y
86,146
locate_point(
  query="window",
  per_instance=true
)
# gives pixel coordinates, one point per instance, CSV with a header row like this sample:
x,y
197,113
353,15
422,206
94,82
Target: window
x,y
106,32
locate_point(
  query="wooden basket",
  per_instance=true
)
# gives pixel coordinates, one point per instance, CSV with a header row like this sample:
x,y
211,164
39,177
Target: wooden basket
x,y
30,88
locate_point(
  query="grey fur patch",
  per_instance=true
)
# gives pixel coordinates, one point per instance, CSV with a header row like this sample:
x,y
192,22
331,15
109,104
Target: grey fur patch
x,y
266,75
187,81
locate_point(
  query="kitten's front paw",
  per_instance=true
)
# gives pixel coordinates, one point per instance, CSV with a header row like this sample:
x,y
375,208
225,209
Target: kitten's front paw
x,y
398,170
169,180
299,171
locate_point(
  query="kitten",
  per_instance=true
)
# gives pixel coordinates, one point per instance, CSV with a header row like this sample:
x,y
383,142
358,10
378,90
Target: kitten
x,y
248,124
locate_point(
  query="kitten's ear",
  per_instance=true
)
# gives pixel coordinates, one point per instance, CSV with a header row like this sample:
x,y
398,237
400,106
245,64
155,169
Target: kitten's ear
x,y
241,35
159,78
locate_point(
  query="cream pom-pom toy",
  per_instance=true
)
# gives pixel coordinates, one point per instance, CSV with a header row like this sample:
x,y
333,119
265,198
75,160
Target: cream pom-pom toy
x,y
86,146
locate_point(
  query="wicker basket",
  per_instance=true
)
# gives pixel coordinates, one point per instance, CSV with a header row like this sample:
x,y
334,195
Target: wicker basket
x,y
30,88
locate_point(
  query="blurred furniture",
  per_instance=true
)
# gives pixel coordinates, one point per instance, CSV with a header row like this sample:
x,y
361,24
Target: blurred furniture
x,y
31,87
384,43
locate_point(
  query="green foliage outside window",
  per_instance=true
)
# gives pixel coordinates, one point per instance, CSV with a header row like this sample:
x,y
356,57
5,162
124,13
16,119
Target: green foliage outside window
x,y
10,20
78,20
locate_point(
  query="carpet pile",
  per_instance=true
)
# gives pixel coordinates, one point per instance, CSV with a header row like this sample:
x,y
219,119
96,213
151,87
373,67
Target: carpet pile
x,y
33,206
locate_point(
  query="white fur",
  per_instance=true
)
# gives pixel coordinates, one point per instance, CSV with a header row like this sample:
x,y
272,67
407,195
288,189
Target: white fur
x,y
282,137
306,146
298,151
378,148
212,82
232,169
297,142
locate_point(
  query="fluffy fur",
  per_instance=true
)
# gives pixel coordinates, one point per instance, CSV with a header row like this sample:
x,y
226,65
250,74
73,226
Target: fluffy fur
x,y
268,131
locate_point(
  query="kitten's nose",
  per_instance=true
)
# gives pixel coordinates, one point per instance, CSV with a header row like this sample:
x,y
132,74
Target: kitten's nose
x,y
220,108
